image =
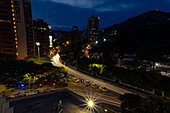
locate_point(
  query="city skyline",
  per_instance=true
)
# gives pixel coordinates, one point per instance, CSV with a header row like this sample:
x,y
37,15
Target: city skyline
x,y
62,15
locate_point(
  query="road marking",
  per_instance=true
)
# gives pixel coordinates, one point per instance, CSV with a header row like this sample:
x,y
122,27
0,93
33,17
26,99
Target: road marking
x,y
54,89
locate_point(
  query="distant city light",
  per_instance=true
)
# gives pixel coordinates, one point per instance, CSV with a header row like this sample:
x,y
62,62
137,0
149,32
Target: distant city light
x,y
157,64
97,42
51,41
53,84
104,40
40,85
67,42
22,85
38,43
49,27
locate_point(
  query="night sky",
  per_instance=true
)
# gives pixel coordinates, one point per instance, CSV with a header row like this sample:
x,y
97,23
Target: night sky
x,y
63,14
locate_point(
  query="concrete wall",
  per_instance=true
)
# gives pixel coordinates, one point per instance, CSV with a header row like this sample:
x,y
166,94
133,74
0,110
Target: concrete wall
x,y
4,106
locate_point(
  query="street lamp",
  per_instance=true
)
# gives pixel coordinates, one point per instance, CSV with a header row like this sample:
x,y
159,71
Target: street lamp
x,y
38,45
90,103
67,42
97,42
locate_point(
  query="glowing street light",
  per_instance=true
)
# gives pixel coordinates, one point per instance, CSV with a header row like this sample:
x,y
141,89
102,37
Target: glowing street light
x,y
105,110
90,103
97,42
67,42
38,45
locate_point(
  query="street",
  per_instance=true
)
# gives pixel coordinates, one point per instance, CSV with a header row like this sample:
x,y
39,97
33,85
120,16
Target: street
x,y
100,82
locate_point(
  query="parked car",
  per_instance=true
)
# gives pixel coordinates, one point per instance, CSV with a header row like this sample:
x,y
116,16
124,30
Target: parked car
x,y
75,80
103,89
94,85
87,82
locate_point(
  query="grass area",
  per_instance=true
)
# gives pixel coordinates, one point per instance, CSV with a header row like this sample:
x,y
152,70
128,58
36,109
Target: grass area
x,y
6,90
2,88
43,59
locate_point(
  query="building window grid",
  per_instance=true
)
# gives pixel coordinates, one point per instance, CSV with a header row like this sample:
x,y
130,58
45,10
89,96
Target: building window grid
x,y
14,23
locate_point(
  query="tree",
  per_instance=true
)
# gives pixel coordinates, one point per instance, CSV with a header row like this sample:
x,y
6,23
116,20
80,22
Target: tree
x,y
136,104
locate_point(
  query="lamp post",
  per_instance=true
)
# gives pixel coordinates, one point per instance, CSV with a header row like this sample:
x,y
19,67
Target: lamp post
x,y
38,45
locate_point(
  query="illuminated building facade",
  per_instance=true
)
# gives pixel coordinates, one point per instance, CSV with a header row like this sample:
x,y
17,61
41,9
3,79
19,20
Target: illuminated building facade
x,y
20,29
93,28
29,28
7,28
58,37
41,34
16,30
73,37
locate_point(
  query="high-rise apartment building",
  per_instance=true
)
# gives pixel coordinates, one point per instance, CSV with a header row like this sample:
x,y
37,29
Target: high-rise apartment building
x,y
20,29
41,34
16,30
93,28
29,27
73,37
7,28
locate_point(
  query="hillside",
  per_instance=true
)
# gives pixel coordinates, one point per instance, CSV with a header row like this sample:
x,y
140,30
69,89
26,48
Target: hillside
x,y
146,35
147,18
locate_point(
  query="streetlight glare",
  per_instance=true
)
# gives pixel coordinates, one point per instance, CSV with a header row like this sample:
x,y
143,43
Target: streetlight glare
x,y
38,43
67,42
97,42
105,110
90,103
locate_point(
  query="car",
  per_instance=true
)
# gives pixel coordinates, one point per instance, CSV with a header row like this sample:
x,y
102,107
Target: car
x,y
69,79
94,85
75,80
87,82
103,89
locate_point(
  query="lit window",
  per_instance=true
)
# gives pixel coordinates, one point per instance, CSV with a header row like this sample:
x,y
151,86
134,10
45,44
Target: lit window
x,y
13,14
13,18
15,31
14,27
16,46
93,29
17,54
15,38
12,10
12,5
12,2
15,34
14,22
16,42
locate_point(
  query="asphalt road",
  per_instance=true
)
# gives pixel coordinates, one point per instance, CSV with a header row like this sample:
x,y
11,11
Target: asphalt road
x,y
111,86
56,62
